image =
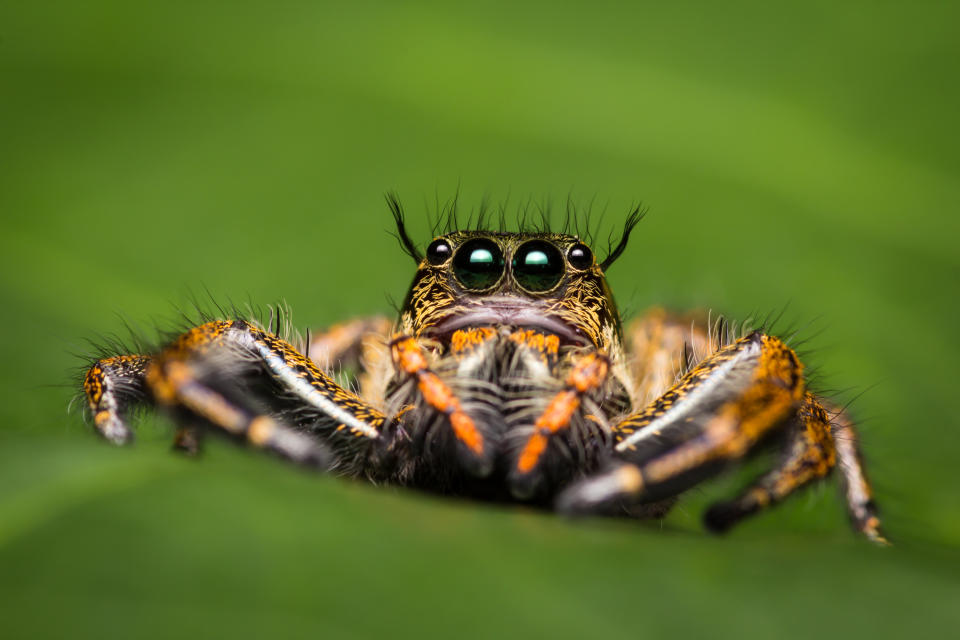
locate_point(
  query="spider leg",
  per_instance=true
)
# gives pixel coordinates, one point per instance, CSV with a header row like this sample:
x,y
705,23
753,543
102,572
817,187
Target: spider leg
x,y
714,415
180,386
113,387
587,374
116,386
327,415
211,375
342,344
188,440
853,479
809,454
663,344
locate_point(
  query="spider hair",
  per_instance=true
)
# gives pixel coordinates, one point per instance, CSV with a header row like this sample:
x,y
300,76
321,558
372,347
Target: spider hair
x,y
409,247
530,217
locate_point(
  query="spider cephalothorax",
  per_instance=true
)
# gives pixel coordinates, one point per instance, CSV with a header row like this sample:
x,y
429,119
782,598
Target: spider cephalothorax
x,y
542,280
507,376
509,310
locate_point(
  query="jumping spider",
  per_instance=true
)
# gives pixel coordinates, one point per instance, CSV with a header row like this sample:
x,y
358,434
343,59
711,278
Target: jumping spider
x,y
506,377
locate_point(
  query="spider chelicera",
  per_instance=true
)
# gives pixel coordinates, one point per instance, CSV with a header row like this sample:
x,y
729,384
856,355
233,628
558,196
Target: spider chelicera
x,y
506,377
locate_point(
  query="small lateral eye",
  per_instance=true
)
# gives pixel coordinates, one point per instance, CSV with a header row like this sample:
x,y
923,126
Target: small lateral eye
x,y
438,252
580,256
537,266
478,264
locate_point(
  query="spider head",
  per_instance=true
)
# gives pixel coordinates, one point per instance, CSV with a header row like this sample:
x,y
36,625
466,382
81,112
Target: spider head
x,y
550,282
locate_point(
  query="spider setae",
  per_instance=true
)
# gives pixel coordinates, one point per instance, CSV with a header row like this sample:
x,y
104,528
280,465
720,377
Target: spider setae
x,y
506,377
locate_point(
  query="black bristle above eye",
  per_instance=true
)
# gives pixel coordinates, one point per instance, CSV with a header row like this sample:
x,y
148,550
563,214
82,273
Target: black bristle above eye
x,y
401,235
632,221
578,223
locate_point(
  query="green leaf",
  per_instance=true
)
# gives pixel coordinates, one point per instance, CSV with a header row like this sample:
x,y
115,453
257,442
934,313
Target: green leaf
x,y
800,156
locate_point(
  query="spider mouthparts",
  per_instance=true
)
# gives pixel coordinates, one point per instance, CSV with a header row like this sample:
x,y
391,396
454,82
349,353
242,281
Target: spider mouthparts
x,y
506,311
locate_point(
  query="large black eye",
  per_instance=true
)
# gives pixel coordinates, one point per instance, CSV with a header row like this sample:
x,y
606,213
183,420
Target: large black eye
x,y
537,266
580,256
478,264
438,252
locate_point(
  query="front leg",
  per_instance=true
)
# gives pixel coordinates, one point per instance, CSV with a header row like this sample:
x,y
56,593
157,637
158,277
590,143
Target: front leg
x,y
715,415
235,378
209,372
114,387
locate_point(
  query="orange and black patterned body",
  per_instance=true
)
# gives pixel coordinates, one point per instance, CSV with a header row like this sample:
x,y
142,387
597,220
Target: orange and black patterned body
x,y
528,356
505,377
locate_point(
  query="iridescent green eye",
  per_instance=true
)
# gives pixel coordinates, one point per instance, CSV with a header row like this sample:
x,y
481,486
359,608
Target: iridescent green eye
x,y
478,264
537,266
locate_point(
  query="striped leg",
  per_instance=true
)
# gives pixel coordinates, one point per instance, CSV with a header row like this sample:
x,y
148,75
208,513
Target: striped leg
x,y
209,374
113,387
714,415
180,387
809,455
116,386
856,488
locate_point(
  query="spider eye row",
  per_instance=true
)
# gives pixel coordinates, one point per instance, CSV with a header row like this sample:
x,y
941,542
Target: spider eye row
x,y
537,265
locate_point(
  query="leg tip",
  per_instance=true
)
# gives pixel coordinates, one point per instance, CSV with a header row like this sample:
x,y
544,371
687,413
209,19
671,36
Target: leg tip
x,y
602,492
300,448
478,465
187,442
870,528
721,517
112,428
525,485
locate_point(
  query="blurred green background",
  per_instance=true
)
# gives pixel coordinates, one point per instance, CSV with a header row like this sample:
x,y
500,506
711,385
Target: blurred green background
x,y
802,154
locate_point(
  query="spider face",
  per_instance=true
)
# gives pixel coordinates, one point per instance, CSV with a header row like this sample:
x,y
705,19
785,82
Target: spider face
x,y
543,281
506,377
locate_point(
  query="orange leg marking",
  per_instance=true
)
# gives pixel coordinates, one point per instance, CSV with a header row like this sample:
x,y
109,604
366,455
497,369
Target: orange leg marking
x,y
589,373
411,360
